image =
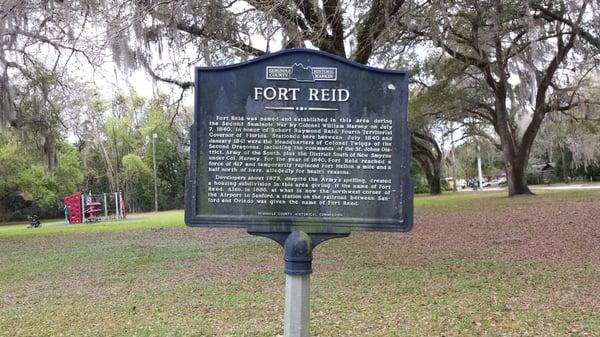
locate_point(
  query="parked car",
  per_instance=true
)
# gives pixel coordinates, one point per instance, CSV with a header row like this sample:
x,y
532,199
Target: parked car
x,y
491,183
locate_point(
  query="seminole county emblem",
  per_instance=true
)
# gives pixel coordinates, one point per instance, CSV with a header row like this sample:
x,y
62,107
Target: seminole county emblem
x,y
300,73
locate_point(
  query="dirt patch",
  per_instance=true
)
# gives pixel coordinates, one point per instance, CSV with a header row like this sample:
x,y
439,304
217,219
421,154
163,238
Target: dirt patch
x,y
559,232
565,232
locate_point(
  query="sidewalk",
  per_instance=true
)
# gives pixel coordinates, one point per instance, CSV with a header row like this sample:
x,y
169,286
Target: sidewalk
x,y
575,186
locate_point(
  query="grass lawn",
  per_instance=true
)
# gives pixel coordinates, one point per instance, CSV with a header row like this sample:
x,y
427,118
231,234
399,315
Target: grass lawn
x,y
476,264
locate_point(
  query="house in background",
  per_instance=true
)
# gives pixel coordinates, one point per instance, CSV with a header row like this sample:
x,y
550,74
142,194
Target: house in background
x,y
500,175
545,170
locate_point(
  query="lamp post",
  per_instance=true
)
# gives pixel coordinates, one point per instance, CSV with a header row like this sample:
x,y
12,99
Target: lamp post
x,y
480,176
454,187
154,137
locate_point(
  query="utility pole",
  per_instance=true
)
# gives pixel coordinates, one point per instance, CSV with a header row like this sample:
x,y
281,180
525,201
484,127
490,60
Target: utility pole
x,y
454,187
154,137
479,167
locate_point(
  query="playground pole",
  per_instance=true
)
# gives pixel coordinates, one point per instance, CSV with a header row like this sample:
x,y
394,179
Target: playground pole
x,y
82,208
117,204
105,209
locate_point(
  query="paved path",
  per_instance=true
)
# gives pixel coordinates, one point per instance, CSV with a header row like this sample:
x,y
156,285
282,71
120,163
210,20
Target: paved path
x,y
576,186
567,186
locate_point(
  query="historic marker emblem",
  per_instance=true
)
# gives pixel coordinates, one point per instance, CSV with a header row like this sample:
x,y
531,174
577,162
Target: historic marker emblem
x,y
300,73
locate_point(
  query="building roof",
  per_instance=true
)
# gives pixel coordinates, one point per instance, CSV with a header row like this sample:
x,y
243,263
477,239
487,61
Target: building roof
x,y
548,167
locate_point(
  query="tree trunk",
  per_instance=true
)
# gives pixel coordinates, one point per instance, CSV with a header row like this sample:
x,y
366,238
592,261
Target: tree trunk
x,y
516,158
432,172
515,152
433,180
49,152
109,168
516,173
429,156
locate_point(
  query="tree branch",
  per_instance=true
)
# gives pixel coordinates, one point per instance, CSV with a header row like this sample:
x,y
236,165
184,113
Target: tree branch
x,y
198,31
550,16
333,15
294,25
182,84
541,107
373,26
429,139
317,32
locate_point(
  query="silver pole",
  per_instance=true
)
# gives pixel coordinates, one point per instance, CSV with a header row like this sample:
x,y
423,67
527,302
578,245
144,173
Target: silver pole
x,y
297,305
82,208
479,168
105,209
154,136
454,187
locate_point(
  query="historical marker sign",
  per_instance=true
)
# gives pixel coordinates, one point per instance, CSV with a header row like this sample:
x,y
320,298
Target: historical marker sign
x,y
300,140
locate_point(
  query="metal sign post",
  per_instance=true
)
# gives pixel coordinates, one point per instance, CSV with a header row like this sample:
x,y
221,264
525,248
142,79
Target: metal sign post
x,y
297,306
297,256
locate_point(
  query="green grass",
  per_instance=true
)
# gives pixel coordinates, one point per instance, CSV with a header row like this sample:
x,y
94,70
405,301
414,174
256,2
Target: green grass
x,y
155,277
137,222
498,199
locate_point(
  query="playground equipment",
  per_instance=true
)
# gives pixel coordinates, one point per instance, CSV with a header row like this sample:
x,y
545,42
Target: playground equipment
x,y
87,208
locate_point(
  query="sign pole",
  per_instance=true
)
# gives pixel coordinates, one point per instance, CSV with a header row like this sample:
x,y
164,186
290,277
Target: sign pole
x,y
297,254
297,305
